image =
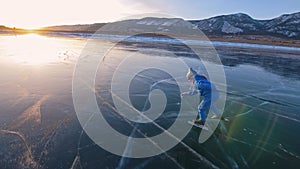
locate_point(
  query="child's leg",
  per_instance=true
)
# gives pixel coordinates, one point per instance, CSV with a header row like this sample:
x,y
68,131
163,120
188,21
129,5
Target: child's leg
x,y
214,100
203,107
202,112
215,110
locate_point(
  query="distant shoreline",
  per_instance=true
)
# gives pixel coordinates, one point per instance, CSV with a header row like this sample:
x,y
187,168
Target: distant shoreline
x,y
258,39
249,39
252,39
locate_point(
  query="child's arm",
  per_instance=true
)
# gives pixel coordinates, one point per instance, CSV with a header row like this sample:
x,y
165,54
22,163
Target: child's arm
x,y
192,92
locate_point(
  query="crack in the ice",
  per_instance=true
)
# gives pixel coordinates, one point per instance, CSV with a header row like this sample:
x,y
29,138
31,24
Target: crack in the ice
x,y
203,159
31,158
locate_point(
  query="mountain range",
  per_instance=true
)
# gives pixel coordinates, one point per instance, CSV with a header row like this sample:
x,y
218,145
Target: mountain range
x,y
286,26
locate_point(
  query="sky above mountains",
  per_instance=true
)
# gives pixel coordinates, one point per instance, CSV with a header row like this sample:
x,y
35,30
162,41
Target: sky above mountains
x,y
36,13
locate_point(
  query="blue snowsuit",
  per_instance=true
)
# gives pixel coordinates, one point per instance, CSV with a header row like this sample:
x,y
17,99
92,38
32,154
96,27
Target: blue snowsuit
x,y
205,88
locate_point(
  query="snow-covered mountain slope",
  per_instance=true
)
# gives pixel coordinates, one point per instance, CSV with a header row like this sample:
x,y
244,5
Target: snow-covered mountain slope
x,y
287,25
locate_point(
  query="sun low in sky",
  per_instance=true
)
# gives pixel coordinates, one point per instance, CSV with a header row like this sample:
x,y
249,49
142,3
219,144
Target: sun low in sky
x,y
36,13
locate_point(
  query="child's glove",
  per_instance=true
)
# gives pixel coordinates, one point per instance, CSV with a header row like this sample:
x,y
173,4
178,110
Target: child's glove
x,y
184,93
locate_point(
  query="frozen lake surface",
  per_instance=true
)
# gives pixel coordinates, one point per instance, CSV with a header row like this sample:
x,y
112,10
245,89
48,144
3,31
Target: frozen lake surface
x,y
39,127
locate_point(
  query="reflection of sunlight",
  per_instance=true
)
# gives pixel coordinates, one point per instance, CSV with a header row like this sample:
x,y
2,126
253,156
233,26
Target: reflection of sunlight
x,y
32,49
32,113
